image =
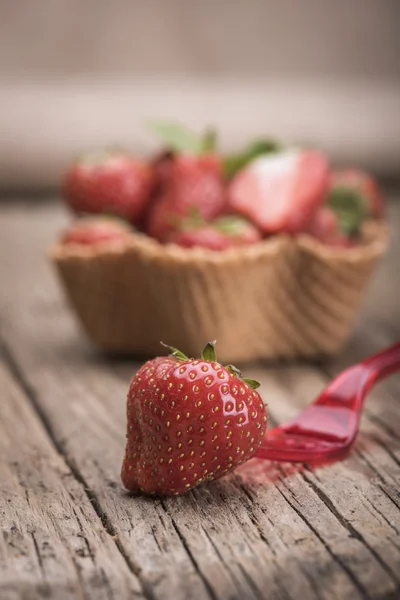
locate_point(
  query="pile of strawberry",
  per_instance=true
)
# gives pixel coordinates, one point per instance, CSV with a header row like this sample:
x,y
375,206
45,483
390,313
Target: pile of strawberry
x,y
191,195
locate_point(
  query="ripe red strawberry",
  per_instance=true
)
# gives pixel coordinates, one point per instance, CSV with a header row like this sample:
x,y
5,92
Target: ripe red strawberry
x,y
362,183
281,192
113,183
225,232
195,182
326,228
96,230
189,421
161,166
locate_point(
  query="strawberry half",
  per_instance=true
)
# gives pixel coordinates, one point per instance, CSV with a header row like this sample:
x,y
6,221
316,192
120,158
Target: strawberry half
x,y
226,232
195,183
114,183
189,421
281,192
96,230
361,183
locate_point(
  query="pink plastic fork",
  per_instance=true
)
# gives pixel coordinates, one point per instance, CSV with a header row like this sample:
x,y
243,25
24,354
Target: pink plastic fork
x,y
327,428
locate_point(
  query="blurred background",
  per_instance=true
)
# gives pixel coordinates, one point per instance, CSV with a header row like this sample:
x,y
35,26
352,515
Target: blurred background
x,y
79,74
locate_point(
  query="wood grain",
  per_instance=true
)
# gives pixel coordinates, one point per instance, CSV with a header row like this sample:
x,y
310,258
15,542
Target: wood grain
x,y
269,531
53,543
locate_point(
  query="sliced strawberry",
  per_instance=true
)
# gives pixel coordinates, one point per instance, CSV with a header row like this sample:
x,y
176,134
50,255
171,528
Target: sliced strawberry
x,y
225,232
362,183
195,183
96,230
233,163
113,183
281,192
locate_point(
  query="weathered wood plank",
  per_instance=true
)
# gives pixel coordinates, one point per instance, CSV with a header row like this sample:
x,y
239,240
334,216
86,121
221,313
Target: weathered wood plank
x,y
344,502
163,539
232,539
361,492
52,543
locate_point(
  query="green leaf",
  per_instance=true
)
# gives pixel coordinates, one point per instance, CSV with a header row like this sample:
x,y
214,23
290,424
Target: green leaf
x,y
251,382
235,162
234,370
175,352
180,139
350,207
230,224
209,353
209,141
193,220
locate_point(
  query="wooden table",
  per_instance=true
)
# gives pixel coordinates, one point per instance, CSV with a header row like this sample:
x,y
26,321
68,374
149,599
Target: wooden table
x,y
69,530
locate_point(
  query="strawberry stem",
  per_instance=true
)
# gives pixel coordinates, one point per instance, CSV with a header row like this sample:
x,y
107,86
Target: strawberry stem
x,y
210,355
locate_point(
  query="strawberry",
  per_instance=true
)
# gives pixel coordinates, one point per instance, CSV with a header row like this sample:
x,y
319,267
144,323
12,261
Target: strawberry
x,y
359,182
161,166
353,197
326,228
233,163
108,182
225,232
189,421
281,192
195,183
96,230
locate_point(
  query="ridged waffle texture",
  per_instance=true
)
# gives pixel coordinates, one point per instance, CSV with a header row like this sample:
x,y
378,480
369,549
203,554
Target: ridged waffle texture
x,y
282,298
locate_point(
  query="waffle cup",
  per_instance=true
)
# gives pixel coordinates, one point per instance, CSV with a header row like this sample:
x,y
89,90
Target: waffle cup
x,y
282,298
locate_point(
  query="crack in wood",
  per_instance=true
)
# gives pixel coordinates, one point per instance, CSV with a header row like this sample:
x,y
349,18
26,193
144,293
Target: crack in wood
x,y
38,555
256,523
195,564
255,591
350,528
110,593
108,527
349,572
382,480
312,581
89,550
390,497
390,453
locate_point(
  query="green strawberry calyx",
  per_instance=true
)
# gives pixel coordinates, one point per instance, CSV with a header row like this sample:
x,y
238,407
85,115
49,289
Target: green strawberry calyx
x,y
193,220
210,355
350,206
229,225
181,139
234,163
